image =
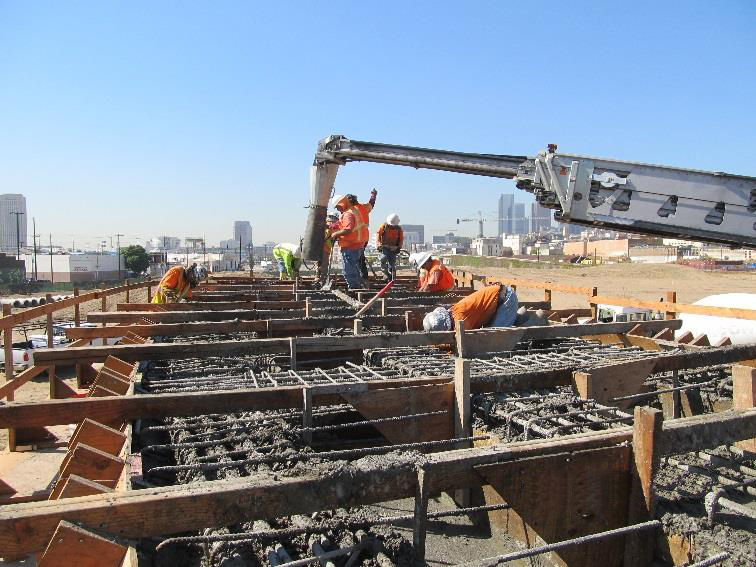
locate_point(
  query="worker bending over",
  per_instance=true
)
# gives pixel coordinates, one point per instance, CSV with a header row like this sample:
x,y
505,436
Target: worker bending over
x,y
437,277
389,241
352,235
289,259
363,210
491,306
176,284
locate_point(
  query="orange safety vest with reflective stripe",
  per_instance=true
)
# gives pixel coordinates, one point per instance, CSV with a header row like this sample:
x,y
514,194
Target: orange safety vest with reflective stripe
x,y
389,235
478,308
352,239
445,277
173,287
362,213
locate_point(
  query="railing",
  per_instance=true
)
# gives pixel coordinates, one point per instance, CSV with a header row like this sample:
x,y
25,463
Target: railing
x,y
670,307
9,320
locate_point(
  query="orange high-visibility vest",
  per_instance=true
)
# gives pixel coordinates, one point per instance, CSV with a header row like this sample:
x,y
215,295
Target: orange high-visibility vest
x,y
389,235
352,239
362,213
445,279
477,308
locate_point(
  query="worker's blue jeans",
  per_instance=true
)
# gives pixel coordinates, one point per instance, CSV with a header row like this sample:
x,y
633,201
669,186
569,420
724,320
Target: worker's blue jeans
x,y
352,267
281,269
506,313
388,262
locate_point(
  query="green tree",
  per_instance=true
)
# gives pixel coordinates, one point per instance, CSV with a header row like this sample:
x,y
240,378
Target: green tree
x,y
135,258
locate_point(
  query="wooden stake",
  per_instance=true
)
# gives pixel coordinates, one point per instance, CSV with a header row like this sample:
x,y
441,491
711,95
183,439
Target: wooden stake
x,y
744,396
307,413
647,428
308,307
8,351
293,353
358,326
462,417
104,307
459,337
77,309
420,523
671,298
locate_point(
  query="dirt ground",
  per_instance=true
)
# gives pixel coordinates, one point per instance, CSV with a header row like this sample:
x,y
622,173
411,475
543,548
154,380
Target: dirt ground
x,y
641,281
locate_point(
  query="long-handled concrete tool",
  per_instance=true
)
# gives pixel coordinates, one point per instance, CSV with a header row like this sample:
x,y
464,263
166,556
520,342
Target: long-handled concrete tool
x,y
375,298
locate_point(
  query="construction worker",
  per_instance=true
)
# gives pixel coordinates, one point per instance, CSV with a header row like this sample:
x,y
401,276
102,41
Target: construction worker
x,y
176,284
389,241
289,259
324,266
437,276
491,306
363,211
351,235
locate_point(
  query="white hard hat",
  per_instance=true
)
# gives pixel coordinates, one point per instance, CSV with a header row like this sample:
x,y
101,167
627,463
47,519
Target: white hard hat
x,y
422,258
437,320
393,219
335,199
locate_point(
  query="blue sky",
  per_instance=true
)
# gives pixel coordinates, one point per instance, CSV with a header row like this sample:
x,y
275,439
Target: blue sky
x,y
178,118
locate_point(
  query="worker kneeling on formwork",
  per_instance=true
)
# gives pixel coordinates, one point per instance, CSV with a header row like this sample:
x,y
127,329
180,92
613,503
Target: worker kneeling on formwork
x,y
177,284
289,259
437,277
491,306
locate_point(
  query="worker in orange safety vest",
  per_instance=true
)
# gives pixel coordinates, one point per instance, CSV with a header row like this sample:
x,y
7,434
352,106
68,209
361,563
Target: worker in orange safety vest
x,y
437,277
176,284
363,210
491,306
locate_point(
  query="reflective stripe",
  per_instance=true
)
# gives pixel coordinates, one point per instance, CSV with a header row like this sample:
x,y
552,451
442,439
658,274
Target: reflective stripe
x,y
353,239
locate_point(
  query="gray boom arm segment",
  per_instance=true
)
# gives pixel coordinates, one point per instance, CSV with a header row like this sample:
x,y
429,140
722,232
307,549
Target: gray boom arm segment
x,y
622,195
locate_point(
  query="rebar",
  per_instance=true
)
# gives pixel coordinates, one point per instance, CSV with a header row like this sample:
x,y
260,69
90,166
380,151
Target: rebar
x,y
326,455
492,561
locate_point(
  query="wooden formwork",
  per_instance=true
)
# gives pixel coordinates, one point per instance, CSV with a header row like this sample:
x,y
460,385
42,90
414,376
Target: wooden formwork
x,y
607,474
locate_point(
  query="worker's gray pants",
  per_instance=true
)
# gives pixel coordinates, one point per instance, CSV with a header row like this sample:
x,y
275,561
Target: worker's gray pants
x,y
388,263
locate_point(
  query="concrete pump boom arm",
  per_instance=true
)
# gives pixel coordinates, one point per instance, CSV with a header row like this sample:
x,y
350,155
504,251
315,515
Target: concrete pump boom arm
x,y
621,195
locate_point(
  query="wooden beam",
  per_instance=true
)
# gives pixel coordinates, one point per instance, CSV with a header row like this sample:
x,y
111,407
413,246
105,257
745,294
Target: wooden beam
x,y
668,307
124,408
319,344
604,383
647,430
170,316
707,431
169,329
74,485
14,384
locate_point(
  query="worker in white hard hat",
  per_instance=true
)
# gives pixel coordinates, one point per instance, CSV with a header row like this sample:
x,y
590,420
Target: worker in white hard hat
x,y
491,306
289,258
389,240
437,277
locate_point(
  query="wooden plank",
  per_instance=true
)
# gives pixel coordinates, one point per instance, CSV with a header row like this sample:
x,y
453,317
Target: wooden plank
x,y
75,485
565,496
170,316
744,396
405,401
169,329
318,344
99,436
111,381
14,384
539,285
125,369
647,430
678,308
91,463
71,544
125,408
604,383
196,306
707,431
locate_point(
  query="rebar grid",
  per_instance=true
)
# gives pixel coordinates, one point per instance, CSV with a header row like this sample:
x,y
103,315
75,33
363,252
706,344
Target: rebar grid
x,y
542,414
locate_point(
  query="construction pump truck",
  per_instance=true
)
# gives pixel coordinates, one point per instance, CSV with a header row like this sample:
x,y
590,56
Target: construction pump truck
x,y
620,195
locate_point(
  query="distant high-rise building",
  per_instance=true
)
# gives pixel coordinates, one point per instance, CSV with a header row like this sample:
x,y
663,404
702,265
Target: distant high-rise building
x,y
520,222
243,230
506,214
12,203
540,218
414,234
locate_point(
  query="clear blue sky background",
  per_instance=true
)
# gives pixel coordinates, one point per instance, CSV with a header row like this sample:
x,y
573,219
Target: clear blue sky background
x,y
178,118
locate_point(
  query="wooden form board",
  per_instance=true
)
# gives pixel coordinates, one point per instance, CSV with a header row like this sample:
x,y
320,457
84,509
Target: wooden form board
x,y
158,511
72,544
561,497
320,344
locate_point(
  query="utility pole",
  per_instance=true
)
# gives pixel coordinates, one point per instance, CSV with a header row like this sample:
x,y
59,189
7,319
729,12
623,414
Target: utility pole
x,y
34,236
118,237
52,274
18,236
